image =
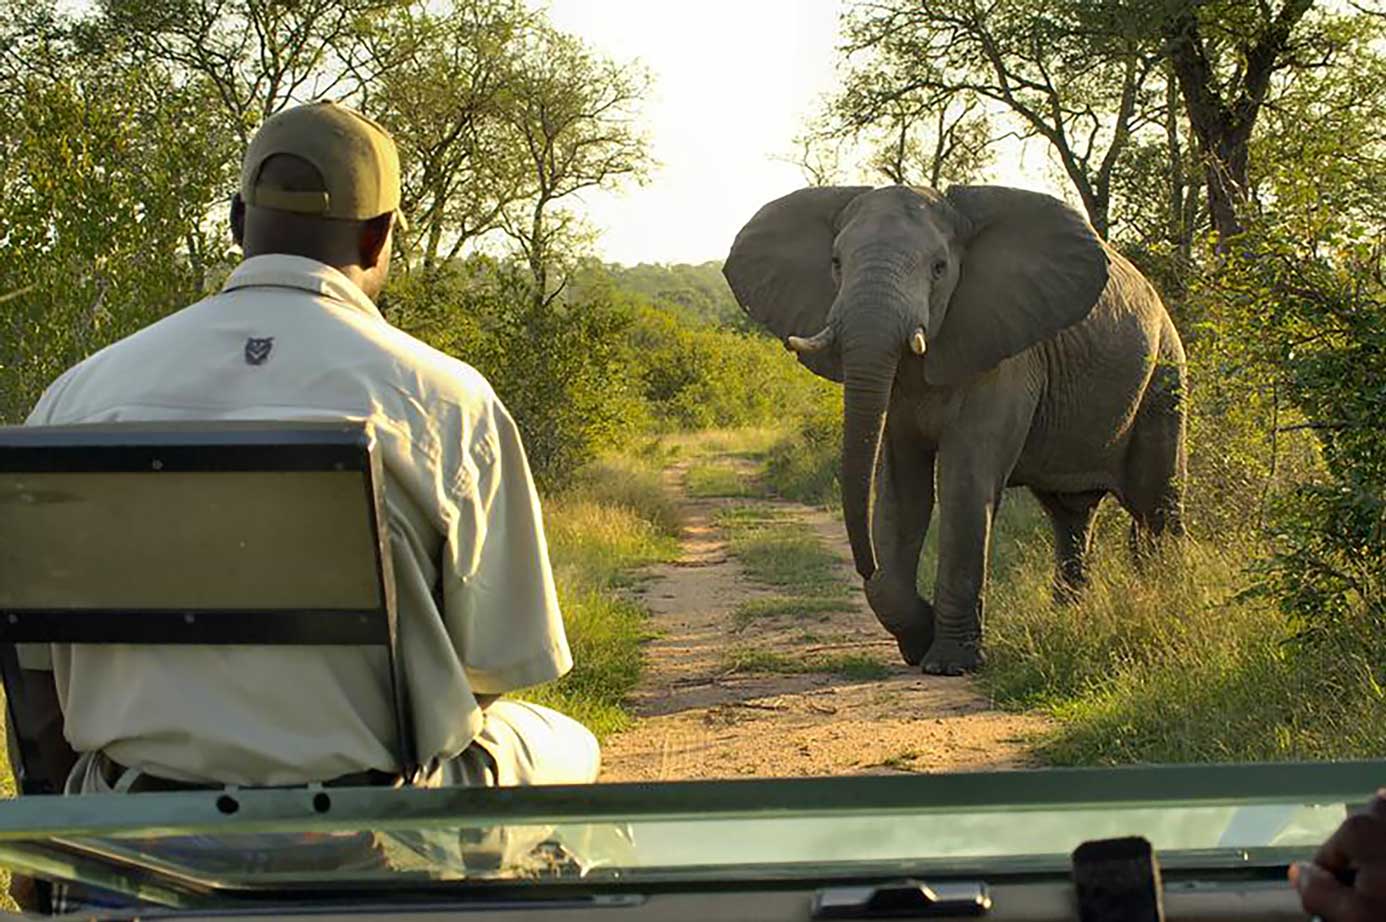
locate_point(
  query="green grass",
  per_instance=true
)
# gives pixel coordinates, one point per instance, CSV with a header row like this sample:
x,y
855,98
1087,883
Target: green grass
x,y
783,554
605,633
752,441
787,606
632,482
616,519
1168,665
848,665
852,665
719,478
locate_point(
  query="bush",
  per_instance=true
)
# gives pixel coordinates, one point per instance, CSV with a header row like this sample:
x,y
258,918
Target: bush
x,y
1312,320
804,465
561,370
104,172
700,377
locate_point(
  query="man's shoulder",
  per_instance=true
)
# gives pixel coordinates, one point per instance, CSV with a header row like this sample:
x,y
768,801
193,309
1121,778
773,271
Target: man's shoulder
x,y
442,376
111,362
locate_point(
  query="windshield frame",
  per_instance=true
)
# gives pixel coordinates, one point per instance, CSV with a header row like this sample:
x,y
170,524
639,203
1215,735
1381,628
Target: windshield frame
x,y
37,833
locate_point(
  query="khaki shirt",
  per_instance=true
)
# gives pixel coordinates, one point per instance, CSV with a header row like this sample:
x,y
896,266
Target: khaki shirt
x,y
463,515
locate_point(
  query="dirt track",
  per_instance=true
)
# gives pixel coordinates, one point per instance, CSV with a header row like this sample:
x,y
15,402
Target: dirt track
x,y
700,719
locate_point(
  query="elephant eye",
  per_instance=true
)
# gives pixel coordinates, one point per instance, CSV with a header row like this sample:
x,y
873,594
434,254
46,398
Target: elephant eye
x,y
837,262
940,267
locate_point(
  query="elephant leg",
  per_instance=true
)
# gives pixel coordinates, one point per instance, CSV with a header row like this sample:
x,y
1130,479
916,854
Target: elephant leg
x,y
975,460
904,505
960,587
1153,479
1071,515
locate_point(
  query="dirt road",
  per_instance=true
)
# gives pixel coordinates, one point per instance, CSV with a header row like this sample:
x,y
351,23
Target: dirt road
x,y
738,684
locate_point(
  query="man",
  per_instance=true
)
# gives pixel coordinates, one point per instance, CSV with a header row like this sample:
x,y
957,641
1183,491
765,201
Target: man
x,y
294,334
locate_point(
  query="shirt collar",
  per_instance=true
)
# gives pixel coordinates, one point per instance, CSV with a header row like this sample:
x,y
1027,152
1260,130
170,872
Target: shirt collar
x,y
280,270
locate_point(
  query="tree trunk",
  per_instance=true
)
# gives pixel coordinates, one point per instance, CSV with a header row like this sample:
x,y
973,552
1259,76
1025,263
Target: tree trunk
x,y
538,257
1223,126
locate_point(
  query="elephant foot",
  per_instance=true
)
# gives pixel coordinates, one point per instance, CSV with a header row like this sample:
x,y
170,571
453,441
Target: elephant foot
x,y
914,644
950,657
901,611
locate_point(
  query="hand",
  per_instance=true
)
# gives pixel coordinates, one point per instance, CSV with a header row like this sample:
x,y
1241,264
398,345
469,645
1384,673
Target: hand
x,y
1347,880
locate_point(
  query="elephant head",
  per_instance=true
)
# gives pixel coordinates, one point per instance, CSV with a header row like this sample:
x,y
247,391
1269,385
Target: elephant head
x,y
859,280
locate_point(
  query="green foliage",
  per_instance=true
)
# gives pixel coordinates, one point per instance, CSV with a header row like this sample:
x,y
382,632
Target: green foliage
x,y
697,295
441,90
701,377
804,465
714,478
105,176
560,370
1314,322
573,117
586,374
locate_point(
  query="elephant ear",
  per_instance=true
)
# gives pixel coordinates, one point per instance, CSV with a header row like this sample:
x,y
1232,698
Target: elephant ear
x,y
780,267
1032,267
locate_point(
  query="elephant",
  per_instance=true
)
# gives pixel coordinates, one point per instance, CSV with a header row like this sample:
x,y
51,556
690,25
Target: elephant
x,y
986,337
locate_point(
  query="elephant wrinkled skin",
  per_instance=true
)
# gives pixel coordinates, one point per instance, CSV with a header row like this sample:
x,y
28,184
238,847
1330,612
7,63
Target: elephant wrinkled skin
x,y
986,337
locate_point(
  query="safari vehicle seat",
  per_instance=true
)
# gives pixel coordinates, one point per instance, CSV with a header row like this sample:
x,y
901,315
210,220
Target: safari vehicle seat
x,y
190,533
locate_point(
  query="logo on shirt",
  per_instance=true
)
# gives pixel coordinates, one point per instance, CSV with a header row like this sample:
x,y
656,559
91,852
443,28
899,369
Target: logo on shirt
x,y
257,350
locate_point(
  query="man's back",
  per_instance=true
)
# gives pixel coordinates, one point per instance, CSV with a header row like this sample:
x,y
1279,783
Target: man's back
x,y
291,338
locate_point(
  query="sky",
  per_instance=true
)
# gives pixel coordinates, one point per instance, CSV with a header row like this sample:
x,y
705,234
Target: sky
x,y
734,81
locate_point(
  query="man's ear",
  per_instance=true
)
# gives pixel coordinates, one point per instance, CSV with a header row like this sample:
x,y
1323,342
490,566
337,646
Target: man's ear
x,y
375,239
238,220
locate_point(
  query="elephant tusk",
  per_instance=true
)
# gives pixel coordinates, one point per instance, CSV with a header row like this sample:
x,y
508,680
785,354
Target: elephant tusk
x,y
817,343
917,343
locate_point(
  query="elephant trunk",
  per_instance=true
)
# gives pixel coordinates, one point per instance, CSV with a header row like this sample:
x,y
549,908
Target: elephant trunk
x,y
869,372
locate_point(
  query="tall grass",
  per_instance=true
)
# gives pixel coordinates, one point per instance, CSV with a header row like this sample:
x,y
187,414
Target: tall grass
x,y
719,479
615,519
1171,664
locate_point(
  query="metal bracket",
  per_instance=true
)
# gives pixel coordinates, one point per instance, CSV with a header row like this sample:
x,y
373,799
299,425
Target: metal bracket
x,y
907,898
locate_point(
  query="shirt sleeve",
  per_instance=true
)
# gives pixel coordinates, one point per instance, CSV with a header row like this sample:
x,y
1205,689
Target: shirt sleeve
x,y
500,602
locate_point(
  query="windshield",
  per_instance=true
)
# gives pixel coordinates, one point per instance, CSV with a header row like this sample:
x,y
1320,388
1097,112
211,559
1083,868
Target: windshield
x,y
838,390
187,848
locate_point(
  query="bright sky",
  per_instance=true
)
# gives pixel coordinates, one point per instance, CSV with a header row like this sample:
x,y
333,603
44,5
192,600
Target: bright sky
x,y
734,82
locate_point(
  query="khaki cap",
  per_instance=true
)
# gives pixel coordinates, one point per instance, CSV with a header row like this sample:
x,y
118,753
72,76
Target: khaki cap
x,y
354,154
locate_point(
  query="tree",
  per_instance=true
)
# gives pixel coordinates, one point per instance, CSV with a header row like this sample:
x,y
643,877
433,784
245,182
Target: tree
x,y
441,91
573,115
257,55
1068,71
1157,193
1225,54
104,170
1317,161
917,138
